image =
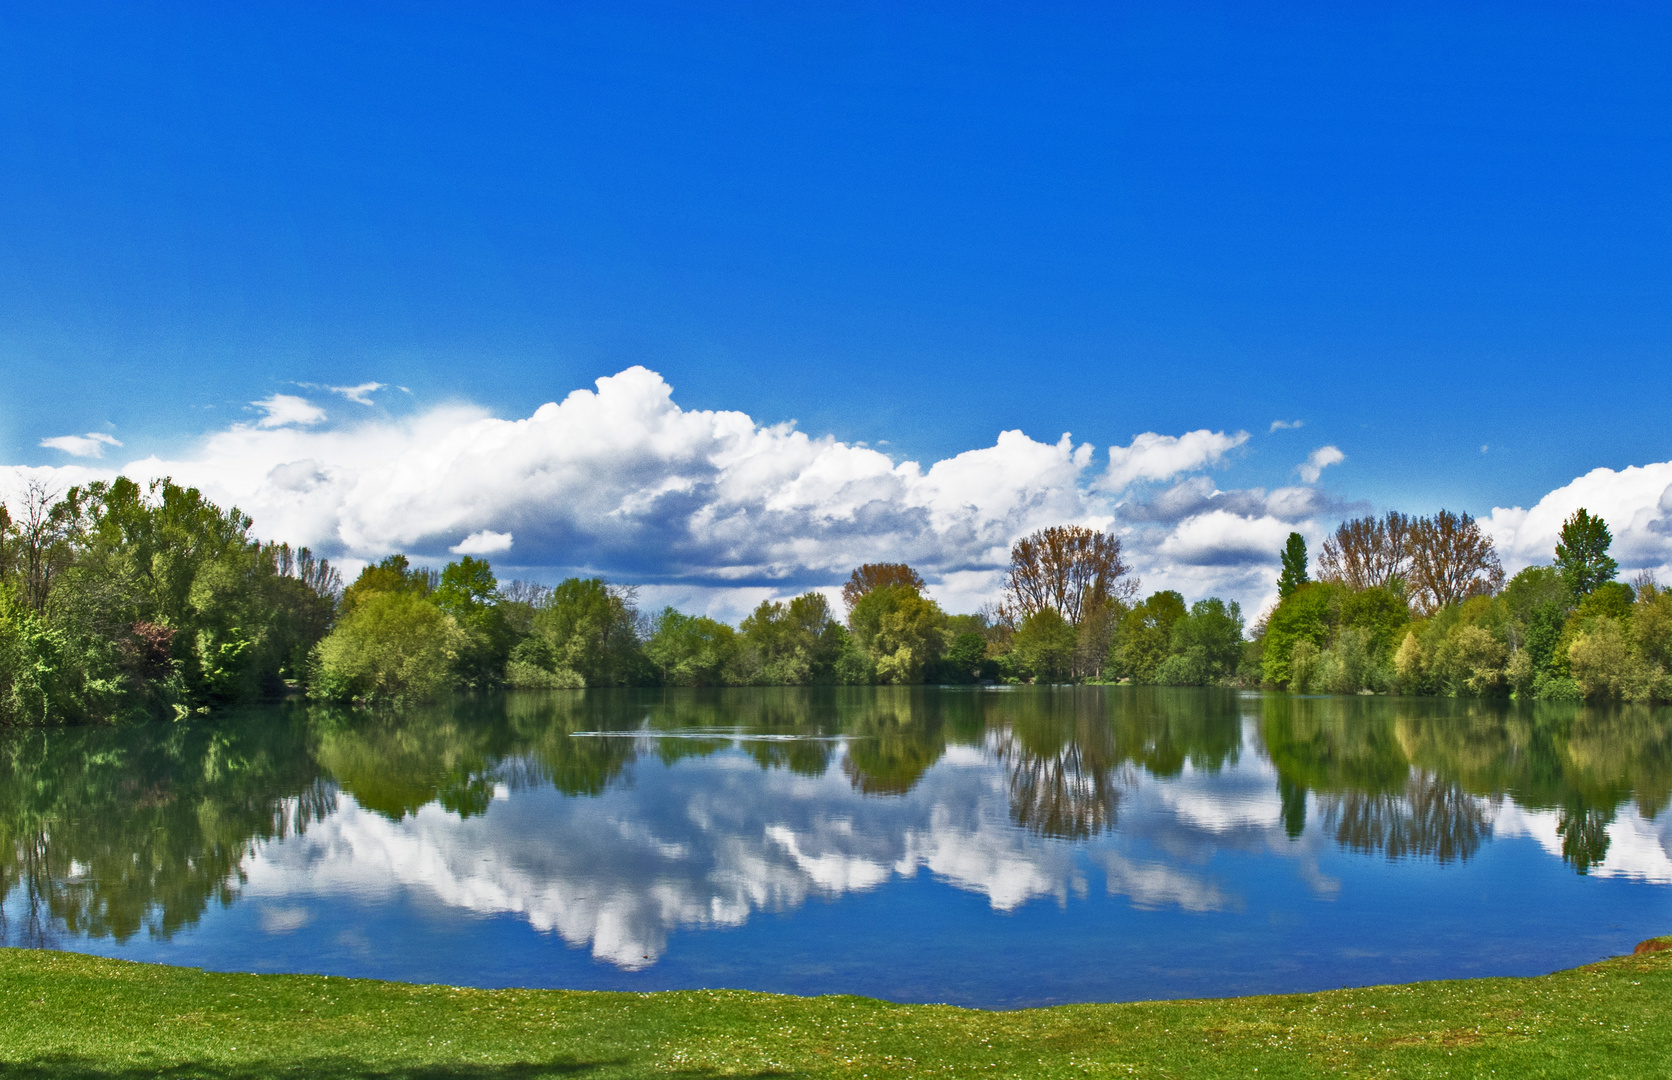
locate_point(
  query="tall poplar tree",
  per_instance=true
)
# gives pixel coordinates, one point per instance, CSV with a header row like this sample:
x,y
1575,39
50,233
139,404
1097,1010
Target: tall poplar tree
x,y
1294,566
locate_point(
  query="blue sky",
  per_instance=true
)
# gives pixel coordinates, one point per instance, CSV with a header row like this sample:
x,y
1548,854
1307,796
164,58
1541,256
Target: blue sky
x,y
1421,231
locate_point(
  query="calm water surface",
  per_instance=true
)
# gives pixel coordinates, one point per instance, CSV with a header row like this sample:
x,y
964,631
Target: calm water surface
x,y
992,848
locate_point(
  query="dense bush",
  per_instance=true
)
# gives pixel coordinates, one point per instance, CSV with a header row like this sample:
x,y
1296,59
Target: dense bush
x,y
393,646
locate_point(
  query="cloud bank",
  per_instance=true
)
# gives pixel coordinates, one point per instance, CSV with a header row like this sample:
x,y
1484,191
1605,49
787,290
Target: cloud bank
x,y
715,508
622,481
1636,502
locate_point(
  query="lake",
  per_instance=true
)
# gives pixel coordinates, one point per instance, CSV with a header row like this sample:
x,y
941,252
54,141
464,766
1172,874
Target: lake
x,y
996,848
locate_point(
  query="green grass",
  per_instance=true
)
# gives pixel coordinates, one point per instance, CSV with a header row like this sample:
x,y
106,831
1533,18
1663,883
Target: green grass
x,y
71,1016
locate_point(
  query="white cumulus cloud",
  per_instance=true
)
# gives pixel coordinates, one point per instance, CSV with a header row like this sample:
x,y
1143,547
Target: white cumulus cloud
x,y
623,481
360,394
485,542
90,445
1317,461
1160,457
1220,537
713,506
284,410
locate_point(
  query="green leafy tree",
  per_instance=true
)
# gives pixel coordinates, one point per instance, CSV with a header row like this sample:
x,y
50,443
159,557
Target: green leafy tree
x,y
901,630
790,644
1602,661
1582,554
1294,566
588,634
690,650
394,646
1651,625
1539,601
1309,615
48,676
1044,645
394,574
854,666
154,600
1145,638
1382,613
874,575
1206,645
302,596
468,591
966,658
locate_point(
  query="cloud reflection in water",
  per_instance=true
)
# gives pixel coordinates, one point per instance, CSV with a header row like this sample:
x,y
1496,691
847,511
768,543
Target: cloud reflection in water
x,y
707,841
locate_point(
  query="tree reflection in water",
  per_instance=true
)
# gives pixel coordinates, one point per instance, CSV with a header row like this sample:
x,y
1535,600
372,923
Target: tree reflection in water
x,y
889,749
107,832
1429,818
1584,833
1064,793
1069,753
1424,776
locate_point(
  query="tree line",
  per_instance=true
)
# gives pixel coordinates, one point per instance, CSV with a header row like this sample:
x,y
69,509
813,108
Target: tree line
x,y
1420,606
118,601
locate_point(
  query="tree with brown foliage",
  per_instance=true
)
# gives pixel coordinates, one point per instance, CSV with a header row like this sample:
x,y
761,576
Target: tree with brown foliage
x,y
1368,552
873,575
1451,559
1069,569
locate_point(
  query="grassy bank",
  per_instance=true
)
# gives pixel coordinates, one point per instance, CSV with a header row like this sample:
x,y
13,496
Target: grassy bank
x,y
65,1015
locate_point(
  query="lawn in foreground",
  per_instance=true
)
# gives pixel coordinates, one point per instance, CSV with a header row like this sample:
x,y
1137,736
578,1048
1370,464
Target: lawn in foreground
x,y
67,1015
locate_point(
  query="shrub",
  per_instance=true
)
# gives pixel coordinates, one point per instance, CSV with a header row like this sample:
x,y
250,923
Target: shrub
x,y
1188,668
1410,665
1044,645
1601,663
1557,688
392,646
526,676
